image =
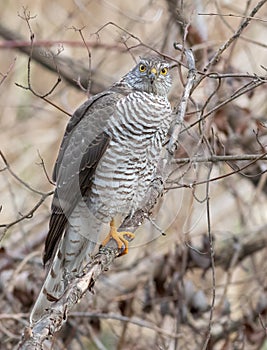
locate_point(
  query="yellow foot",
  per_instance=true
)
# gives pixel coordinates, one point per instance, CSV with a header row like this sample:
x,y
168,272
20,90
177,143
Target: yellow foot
x,y
121,238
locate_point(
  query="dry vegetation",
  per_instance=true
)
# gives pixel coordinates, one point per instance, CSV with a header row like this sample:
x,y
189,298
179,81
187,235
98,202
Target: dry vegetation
x,y
203,284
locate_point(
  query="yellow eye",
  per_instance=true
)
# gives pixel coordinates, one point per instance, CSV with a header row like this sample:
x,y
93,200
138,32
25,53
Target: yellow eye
x,y
164,71
142,68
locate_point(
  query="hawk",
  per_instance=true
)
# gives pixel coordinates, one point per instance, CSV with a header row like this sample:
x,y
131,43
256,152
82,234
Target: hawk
x,y
106,163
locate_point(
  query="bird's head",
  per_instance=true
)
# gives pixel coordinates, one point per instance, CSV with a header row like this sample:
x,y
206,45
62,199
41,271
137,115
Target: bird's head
x,y
150,75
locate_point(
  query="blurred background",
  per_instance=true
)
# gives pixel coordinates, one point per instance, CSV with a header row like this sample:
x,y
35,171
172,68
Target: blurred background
x,y
162,293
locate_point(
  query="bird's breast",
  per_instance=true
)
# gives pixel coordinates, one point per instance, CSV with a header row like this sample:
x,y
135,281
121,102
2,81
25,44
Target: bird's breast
x,y
125,171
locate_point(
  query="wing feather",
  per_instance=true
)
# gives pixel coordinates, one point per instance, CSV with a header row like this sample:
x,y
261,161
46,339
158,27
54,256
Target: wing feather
x,y
83,145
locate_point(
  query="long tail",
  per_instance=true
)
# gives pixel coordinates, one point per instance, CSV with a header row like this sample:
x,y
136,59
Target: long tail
x,y
75,248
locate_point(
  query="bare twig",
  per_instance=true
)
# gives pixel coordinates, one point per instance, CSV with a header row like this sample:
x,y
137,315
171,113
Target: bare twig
x,y
19,44
212,262
218,158
233,15
69,70
236,35
239,170
241,91
5,75
140,43
133,320
30,212
89,83
181,108
25,184
28,215
45,170
99,345
27,17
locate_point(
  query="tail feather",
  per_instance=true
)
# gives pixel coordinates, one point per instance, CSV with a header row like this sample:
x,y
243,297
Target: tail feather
x,y
67,263
75,248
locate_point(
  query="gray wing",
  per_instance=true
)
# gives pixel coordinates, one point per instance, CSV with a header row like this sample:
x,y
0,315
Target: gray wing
x,y
83,145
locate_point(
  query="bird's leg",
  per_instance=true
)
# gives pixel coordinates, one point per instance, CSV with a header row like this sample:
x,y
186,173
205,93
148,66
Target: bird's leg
x,y
122,239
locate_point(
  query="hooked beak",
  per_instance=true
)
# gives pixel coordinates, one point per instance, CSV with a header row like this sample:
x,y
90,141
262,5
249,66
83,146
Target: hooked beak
x,y
153,74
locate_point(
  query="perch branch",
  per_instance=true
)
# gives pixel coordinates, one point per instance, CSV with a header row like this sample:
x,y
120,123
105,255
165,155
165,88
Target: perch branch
x,y
54,319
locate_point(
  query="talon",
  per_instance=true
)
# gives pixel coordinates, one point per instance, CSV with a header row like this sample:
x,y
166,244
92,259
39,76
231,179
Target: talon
x,y
122,239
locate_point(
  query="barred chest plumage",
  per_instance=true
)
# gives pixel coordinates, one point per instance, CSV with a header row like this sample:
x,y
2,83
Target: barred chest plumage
x,y
137,130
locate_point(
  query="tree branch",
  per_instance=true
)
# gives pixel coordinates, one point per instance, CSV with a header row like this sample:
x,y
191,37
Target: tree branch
x,y
55,317
77,72
236,35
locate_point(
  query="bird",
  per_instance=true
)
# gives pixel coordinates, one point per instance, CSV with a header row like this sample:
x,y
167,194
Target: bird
x,y
105,165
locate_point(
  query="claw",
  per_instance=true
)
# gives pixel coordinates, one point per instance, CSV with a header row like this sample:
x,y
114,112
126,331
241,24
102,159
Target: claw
x,y
122,239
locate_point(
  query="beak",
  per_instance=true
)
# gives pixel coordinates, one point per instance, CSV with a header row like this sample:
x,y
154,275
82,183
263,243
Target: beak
x,y
153,74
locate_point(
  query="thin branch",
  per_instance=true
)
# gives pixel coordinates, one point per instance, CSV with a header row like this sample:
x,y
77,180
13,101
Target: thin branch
x,y
89,83
28,215
133,320
25,184
212,254
69,70
241,91
181,108
5,75
215,75
140,43
233,15
27,17
42,163
239,170
99,345
236,35
233,326
19,44
6,331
